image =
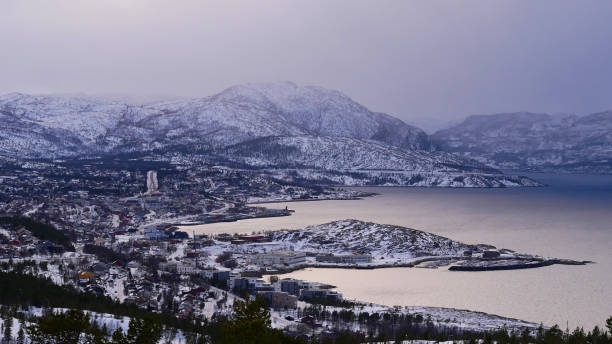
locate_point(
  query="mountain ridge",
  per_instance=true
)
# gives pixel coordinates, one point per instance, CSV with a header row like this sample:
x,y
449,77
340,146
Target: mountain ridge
x,y
234,115
273,125
528,141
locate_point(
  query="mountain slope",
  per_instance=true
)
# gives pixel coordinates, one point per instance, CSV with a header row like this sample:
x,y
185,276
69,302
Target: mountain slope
x,y
273,125
327,112
249,111
47,126
344,153
332,160
379,240
72,125
534,141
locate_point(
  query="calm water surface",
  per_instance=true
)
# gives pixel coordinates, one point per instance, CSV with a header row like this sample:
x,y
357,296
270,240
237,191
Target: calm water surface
x,y
572,218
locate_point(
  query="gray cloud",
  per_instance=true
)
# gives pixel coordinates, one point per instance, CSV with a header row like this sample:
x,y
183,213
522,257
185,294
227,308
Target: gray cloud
x,y
427,62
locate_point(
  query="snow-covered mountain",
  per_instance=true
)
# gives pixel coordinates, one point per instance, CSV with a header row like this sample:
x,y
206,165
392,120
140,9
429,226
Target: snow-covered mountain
x,y
273,125
534,141
44,126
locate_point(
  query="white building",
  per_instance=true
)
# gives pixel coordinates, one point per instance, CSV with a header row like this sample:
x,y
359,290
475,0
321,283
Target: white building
x,y
185,269
286,258
208,273
152,184
151,233
345,259
179,268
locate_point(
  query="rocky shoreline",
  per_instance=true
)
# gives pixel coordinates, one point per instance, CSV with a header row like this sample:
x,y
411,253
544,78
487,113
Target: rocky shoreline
x,y
536,263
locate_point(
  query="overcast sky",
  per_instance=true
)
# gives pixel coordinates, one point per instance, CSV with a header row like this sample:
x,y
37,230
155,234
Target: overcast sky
x,y
427,62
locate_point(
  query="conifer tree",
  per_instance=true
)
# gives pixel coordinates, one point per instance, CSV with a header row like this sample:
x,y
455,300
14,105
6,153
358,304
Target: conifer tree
x,y
140,331
71,327
249,324
8,329
21,336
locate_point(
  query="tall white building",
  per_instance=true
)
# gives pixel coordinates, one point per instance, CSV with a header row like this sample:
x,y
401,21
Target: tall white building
x,y
152,185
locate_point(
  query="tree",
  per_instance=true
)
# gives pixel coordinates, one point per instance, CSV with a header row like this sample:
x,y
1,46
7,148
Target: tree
x,y
21,332
224,256
8,329
147,330
230,263
71,327
609,325
250,323
21,336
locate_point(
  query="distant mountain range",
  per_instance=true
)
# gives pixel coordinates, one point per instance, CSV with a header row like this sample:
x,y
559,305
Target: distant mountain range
x,y
531,141
286,126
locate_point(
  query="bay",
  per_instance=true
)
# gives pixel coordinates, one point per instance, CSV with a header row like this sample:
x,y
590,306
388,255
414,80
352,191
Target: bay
x,y
571,218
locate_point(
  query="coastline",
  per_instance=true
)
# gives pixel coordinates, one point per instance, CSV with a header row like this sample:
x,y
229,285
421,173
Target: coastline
x,y
314,200
413,264
493,224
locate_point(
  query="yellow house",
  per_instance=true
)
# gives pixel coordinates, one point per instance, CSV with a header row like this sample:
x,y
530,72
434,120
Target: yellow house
x,y
85,275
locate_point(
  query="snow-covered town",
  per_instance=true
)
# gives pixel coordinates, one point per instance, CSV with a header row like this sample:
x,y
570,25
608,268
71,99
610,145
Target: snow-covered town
x,y
305,172
124,233
161,269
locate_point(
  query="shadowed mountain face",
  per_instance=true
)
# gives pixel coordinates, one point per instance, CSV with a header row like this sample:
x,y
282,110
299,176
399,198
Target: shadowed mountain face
x,y
43,126
534,141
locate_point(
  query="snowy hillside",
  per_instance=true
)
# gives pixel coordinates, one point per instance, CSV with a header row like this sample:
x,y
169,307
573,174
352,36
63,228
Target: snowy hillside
x,y
390,245
445,179
352,236
325,112
534,141
354,162
344,153
43,126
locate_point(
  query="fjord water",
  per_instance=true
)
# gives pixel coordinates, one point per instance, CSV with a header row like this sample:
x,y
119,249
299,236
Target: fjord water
x,y
571,218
